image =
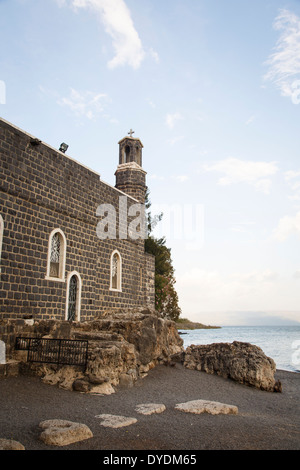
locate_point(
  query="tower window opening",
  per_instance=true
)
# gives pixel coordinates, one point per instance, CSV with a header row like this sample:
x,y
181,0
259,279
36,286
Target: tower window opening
x,y
127,154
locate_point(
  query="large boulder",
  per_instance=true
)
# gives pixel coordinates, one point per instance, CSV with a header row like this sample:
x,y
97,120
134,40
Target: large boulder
x,y
126,344
242,362
152,337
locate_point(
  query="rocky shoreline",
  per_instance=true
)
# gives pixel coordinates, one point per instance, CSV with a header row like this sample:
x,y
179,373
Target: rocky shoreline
x,y
141,390
123,346
185,324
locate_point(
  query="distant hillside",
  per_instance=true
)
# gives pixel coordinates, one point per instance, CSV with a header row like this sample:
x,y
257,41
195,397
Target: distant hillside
x,y
185,324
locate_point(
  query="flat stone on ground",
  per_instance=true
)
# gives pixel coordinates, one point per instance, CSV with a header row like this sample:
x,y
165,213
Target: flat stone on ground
x,y
150,408
8,444
205,406
113,421
59,432
102,389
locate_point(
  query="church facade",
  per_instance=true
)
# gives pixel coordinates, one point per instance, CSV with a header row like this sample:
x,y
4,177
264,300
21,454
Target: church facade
x,y
71,245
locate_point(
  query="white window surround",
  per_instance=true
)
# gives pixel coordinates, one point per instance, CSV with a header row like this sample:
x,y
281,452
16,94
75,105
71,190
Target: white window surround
x,y
78,295
119,272
62,263
1,236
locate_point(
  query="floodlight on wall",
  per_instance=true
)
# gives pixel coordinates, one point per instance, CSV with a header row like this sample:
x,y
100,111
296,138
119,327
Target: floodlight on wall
x,y
35,141
63,147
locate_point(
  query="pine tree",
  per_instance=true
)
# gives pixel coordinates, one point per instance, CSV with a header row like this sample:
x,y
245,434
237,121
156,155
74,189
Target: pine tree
x,y
166,298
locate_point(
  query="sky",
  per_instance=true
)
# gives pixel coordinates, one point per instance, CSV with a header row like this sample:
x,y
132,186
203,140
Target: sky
x,y
212,89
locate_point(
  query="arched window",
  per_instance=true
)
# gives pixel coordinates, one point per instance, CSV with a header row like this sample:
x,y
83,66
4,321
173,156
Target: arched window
x,y
127,154
73,301
1,236
56,255
116,271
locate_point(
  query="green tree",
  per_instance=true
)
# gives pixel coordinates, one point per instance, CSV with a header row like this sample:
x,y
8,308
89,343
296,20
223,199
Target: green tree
x,y
166,298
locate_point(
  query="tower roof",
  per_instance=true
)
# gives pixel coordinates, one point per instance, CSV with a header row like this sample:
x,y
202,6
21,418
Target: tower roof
x,y
136,139
130,138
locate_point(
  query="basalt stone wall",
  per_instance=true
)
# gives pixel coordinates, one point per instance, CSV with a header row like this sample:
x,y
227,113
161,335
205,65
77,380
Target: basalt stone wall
x,y
10,329
42,189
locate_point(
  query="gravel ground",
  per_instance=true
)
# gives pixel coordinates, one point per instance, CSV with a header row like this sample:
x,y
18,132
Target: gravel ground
x,y
266,421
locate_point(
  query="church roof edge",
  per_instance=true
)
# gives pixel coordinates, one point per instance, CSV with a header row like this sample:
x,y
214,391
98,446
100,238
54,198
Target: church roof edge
x,y
49,146
67,156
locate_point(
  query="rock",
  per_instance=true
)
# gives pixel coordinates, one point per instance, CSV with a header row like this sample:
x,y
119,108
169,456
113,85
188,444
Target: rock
x,y
97,380
64,377
8,444
242,362
278,386
113,421
81,385
205,406
150,335
102,389
126,381
59,432
150,408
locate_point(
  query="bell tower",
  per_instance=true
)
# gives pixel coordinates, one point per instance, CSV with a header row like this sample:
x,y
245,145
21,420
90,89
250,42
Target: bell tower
x,y
130,176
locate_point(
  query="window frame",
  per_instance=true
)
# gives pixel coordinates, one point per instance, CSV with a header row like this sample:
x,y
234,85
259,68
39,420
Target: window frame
x,y
119,273
78,295
62,261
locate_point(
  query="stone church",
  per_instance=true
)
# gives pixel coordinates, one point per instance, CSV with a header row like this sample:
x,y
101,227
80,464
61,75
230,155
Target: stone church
x,y
65,248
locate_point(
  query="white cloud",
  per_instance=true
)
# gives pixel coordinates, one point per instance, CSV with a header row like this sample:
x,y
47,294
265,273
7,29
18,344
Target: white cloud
x,y
171,119
287,226
240,171
175,140
291,174
259,276
180,178
294,197
213,290
157,177
250,120
263,185
242,227
284,63
151,103
86,104
290,177
118,23
154,55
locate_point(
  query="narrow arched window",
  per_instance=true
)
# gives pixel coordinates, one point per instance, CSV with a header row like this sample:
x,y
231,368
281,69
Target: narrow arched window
x,y
73,301
127,154
116,271
1,237
56,255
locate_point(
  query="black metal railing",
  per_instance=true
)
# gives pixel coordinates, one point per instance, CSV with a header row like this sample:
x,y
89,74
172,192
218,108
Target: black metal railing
x,y
54,351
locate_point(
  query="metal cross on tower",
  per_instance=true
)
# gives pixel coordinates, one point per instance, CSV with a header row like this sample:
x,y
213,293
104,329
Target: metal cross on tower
x,y
130,132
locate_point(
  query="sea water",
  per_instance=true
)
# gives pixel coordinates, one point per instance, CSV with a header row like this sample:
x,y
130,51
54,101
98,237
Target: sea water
x,y
281,343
